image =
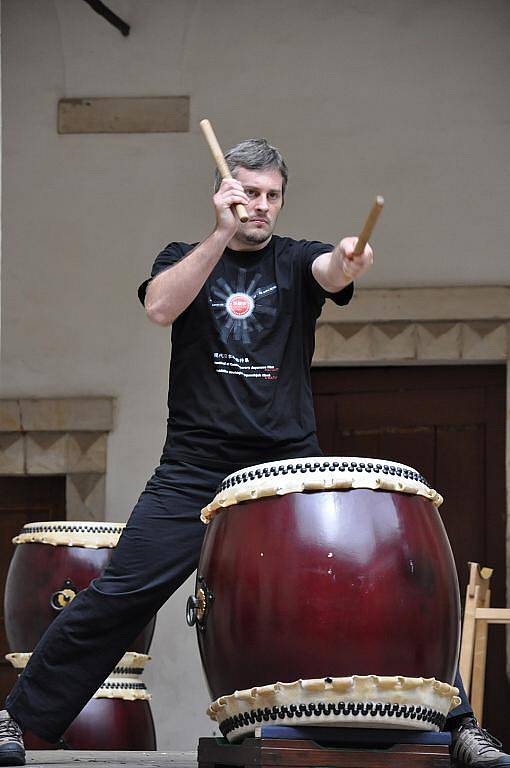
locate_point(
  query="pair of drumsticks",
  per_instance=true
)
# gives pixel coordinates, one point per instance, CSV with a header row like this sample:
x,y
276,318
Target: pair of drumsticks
x,y
224,171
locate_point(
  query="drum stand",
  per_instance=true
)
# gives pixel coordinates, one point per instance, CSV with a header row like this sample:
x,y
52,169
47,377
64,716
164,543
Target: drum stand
x,y
329,748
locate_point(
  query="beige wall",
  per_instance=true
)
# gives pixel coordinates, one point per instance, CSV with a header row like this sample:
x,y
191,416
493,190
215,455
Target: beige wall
x,y
406,98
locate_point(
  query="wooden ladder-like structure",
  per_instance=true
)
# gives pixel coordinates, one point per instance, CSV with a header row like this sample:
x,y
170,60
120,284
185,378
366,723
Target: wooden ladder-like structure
x,y
473,650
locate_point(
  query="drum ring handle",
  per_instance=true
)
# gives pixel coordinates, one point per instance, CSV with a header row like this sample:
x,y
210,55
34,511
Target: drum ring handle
x,y
191,610
63,596
198,604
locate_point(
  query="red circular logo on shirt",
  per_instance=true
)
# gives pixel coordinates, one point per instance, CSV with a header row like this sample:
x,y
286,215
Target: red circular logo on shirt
x,y
239,305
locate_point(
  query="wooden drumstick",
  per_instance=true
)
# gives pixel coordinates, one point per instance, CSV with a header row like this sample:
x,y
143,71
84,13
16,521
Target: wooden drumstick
x,y
369,225
220,161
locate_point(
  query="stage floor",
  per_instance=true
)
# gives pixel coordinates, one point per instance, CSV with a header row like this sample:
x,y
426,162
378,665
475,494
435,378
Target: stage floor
x,y
73,759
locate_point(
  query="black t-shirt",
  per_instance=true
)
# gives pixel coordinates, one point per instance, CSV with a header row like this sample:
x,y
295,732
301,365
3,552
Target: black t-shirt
x,y
240,390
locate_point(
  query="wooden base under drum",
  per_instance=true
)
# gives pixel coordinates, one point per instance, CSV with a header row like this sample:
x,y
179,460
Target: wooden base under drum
x,y
214,753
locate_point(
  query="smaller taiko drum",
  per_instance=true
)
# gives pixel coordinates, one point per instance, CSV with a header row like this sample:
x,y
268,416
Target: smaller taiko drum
x,y
52,562
117,717
326,595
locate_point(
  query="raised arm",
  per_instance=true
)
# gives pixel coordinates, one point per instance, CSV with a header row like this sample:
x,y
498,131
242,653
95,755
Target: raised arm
x,y
334,270
173,290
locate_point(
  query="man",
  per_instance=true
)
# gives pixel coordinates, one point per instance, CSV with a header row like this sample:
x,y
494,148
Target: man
x,y
243,304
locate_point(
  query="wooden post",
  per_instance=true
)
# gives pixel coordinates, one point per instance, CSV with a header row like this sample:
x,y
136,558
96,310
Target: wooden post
x,y
479,579
479,662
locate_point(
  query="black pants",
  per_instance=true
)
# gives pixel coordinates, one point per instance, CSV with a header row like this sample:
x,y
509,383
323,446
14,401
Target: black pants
x,y
157,551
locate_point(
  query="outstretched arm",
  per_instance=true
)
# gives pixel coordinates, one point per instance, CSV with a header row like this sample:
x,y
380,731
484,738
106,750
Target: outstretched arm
x,y
334,270
173,290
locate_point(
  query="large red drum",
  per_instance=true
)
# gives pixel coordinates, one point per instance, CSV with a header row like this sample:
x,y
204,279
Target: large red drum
x,y
52,562
327,594
117,717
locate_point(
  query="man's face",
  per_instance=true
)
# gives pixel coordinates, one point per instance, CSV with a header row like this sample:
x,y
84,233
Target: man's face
x,y
264,190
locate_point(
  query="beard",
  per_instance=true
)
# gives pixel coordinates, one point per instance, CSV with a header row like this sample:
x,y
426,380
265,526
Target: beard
x,y
254,236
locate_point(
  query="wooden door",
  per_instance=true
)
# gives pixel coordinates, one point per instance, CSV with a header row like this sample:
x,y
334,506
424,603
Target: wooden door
x,y
447,422
22,500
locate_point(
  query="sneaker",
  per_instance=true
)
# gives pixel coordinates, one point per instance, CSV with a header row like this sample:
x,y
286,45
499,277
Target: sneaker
x,y
12,749
473,746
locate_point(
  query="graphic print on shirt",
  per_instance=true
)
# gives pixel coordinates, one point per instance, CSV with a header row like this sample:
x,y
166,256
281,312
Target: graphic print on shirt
x,y
240,313
241,310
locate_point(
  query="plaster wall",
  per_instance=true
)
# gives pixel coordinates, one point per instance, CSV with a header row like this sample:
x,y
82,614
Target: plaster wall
x,y
404,98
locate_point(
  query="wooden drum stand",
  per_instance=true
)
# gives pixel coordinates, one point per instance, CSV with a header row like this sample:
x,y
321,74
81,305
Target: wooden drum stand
x,y
328,747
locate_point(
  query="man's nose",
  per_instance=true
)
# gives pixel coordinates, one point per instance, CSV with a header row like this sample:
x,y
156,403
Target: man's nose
x,y
262,204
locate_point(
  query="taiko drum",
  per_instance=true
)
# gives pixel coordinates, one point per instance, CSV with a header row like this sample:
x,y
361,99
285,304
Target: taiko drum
x,y
117,717
334,578
52,562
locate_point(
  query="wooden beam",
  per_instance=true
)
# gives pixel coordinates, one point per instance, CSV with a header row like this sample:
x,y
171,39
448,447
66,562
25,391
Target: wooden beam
x,y
493,615
479,663
476,591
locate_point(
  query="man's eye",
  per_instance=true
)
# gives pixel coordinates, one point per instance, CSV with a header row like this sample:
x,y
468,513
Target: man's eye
x,y
250,192
273,196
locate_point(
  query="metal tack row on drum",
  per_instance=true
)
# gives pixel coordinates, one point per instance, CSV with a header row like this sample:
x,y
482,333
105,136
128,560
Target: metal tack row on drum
x,y
327,595
52,562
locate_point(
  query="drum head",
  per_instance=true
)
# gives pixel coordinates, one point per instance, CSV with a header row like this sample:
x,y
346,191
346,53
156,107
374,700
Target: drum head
x,y
71,533
328,473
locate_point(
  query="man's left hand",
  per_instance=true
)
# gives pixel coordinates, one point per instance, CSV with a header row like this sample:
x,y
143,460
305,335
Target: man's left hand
x,y
354,266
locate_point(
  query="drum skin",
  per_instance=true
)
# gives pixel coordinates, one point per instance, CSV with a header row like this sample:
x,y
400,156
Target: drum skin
x,y
106,724
36,572
328,584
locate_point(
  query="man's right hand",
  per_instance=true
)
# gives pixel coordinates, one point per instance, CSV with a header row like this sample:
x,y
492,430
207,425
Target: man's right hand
x,y
173,289
230,193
